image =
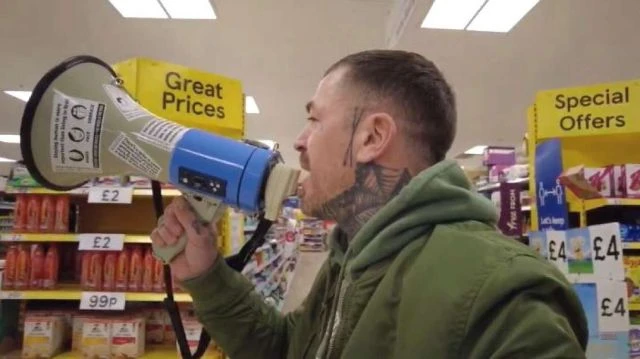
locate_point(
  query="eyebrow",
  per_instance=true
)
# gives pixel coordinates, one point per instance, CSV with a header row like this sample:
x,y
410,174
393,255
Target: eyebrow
x,y
309,106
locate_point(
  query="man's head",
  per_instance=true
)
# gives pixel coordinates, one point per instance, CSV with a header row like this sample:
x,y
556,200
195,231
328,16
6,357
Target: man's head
x,y
383,108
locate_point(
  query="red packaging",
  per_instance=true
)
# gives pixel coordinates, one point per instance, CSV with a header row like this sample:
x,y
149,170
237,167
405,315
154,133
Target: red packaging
x,y
122,269
158,275
147,278
20,213
9,279
136,270
96,263
51,267
33,214
47,214
62,214
109,274
37,266
23,265
86,270
77,272
631,175
601,179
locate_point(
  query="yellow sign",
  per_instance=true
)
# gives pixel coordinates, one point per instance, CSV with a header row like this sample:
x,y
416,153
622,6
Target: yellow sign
x,y
605,109
187,96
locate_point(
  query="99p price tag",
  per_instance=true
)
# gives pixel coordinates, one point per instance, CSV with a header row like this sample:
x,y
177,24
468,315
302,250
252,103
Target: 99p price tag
x,y
114,195
102,301
606,249
100,242
612,306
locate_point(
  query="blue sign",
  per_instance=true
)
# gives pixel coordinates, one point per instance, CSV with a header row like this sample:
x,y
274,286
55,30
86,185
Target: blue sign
x,y
550,198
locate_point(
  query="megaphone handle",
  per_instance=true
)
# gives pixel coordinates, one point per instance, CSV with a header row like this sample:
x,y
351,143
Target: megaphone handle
x,y
207,210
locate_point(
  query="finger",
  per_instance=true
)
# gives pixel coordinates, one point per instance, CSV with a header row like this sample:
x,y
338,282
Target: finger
x,y
189,221
168,238
172,225
157,239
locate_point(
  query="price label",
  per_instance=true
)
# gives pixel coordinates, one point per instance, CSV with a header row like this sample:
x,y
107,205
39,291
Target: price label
x,y
102,301
557,249
606,249
12,295
10,237
100,242
114,195
613,306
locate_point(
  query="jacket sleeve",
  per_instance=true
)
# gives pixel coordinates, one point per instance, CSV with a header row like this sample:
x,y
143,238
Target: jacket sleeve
x,y
236,317
526,309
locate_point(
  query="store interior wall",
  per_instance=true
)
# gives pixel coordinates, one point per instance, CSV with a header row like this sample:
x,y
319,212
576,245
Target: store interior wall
x,y
280,51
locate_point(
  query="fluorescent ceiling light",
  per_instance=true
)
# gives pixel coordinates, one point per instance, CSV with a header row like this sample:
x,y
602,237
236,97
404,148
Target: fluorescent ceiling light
x,y
501,15
476,150
189,9
10,138
20,95
452,14
250,105
3,159
149,9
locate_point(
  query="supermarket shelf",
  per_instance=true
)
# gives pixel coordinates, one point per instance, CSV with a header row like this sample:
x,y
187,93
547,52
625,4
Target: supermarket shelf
x,y
631,245
495,186
152,352
60,237
634,306
139,192
73,292
591,204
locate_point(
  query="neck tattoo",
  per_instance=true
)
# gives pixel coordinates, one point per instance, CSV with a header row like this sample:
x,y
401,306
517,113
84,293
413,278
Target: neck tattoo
x,y
374,187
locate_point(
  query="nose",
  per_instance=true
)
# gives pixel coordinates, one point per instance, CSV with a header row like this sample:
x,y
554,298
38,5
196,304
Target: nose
x,y
300,144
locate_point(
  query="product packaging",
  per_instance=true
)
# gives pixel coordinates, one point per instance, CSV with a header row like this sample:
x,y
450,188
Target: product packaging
x,y
43,336
96,338
127,337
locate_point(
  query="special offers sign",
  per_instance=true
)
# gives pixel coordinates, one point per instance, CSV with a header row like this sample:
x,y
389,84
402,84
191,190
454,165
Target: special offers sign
x,y
187,96
604,109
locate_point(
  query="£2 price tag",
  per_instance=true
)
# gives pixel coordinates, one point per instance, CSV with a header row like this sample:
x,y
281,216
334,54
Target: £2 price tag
x,y
606,250
612,306
102,301
114,195
557,249
100,242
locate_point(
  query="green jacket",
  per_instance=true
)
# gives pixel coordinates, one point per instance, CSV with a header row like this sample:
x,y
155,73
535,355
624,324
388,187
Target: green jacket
x,y
427,277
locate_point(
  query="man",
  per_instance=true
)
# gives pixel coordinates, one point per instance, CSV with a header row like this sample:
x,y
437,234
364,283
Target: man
x,y
416,267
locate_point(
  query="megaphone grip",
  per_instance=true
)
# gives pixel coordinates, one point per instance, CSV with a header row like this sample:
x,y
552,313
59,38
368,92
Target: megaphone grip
x,y
206,209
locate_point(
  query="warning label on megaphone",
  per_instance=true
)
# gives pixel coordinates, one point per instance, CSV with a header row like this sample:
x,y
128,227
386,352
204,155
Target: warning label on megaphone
x,y
76,130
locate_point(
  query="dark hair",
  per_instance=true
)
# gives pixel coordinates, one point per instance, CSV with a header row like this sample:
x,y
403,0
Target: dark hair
x,y
416,86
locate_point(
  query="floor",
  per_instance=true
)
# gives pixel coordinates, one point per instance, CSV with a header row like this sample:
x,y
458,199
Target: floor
x,y
305,273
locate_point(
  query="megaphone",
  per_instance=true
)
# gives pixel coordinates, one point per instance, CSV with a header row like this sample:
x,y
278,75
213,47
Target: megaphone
x,y
80,123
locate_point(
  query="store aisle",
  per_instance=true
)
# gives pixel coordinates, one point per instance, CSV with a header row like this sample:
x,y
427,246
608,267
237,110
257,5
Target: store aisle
x,y
307,268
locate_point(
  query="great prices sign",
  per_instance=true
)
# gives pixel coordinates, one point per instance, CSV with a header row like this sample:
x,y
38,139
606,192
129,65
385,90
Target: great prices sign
x,y
604,109
187,96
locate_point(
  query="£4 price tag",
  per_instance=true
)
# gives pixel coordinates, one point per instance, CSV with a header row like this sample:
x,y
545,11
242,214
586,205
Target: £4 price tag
x,y
102,301
557,249
115,195
613,307
100,242
606,249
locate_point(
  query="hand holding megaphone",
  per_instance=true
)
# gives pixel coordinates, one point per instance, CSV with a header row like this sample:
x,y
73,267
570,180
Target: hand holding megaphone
x,y
200,250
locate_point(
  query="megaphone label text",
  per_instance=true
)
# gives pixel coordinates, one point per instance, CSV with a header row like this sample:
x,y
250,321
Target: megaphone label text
x,y
124,103
129,152
76,132
162,134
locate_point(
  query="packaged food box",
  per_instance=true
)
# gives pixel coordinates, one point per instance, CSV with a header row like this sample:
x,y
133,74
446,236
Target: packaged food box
x,y
631,178
127,337
43,336
96,338
632,277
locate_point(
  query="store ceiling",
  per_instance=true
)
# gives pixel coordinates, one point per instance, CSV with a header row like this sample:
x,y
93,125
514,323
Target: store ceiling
x,y
279,49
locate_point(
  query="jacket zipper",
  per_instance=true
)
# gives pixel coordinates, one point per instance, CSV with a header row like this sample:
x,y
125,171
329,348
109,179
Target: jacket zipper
x,y
337,320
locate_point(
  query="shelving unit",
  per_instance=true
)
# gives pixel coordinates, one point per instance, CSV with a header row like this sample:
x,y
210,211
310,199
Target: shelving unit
x,y
587,232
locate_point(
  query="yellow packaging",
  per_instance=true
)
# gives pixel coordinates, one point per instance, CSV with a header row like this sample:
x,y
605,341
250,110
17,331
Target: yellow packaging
x,y
632,277
127,337
76,331
43,336
96,338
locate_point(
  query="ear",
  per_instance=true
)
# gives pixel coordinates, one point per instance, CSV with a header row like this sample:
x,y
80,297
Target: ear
x,y
374,136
